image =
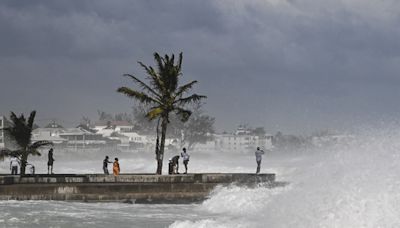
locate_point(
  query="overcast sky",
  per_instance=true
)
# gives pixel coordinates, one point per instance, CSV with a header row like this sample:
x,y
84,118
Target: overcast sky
x,y
294,65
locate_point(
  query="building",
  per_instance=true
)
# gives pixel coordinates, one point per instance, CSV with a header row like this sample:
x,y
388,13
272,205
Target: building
x,y
242,143
49,133
117,126
81,138
76,138
243,140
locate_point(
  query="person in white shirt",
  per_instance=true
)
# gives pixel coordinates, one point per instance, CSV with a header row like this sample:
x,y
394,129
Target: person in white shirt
x,y
259,154
14,164
185,157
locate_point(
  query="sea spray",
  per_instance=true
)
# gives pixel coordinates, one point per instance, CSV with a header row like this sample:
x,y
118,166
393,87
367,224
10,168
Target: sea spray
x,y
352,184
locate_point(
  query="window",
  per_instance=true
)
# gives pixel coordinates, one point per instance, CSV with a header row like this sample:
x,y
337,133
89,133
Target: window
x,y
1,122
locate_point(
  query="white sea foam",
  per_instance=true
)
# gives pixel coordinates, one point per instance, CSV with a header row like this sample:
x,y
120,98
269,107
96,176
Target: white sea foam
x,y
348,185
345,185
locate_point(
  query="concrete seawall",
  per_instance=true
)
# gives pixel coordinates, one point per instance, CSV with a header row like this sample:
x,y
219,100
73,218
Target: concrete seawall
x,y
132,188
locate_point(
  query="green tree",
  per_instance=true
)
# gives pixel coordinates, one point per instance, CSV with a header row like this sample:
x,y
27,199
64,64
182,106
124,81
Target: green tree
x,y
20,132
164,96
198,129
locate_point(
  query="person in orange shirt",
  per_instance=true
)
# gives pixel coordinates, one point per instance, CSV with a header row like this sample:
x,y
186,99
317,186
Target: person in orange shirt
x,y
116,168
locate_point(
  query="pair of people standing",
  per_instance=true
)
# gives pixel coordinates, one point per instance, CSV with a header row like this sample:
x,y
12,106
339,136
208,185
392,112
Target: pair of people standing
x,y
173,165
116,168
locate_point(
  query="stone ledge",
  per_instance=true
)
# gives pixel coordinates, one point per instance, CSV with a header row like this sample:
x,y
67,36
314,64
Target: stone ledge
x,y
133,188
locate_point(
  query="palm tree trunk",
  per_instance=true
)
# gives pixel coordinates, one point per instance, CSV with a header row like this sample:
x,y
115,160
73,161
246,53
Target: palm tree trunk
x,y
24,159
160,156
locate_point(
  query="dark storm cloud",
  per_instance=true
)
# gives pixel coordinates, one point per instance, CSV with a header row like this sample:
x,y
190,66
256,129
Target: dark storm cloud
x,y
286,65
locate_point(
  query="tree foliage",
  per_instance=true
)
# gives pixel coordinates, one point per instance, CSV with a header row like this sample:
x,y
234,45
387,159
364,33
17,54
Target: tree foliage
x,y
163,94
20,132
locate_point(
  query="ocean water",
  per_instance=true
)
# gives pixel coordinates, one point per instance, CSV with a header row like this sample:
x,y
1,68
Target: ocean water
x,y
352,184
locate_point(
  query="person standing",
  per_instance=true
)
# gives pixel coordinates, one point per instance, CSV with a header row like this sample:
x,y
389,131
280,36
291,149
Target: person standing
x,y
116,169
50,162
14,164
105,165
259,154
185,156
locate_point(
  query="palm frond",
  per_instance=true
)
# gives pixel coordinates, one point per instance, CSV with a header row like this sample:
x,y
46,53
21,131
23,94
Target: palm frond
x,y
180,62
191,99
142,97
8,153
143,85
41,143
160,62
184,88
154,113
154,77
31,119
35,152
13,118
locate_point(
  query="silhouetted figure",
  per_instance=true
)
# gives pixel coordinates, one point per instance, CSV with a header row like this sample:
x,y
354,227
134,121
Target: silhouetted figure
x,y
14,164
105,165
259,154
185,156
116,168
170,166
173,165
50,162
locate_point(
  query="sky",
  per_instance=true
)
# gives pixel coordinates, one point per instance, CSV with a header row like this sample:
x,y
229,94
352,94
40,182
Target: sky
x,y
287,65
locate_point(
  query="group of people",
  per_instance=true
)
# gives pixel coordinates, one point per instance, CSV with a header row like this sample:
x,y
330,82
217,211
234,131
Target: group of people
x,y
173,167
15,163
173,164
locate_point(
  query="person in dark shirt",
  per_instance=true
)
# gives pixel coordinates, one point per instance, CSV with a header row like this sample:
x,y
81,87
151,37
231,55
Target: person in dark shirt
x,y
50,162
173,165
105,165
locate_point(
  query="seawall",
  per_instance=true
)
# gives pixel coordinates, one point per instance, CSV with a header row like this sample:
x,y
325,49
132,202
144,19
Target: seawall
x,y
130,188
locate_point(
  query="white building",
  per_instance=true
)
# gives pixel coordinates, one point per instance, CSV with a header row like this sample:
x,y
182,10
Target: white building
x,y
70,137
50,133
78,137
117,126
242,143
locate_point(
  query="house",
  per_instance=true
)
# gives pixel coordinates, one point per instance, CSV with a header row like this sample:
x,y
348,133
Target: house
x,y
117,126
51,133
78,137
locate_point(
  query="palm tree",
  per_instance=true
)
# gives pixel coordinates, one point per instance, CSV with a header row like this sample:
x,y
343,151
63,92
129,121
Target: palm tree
x,y
163,95
21,133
